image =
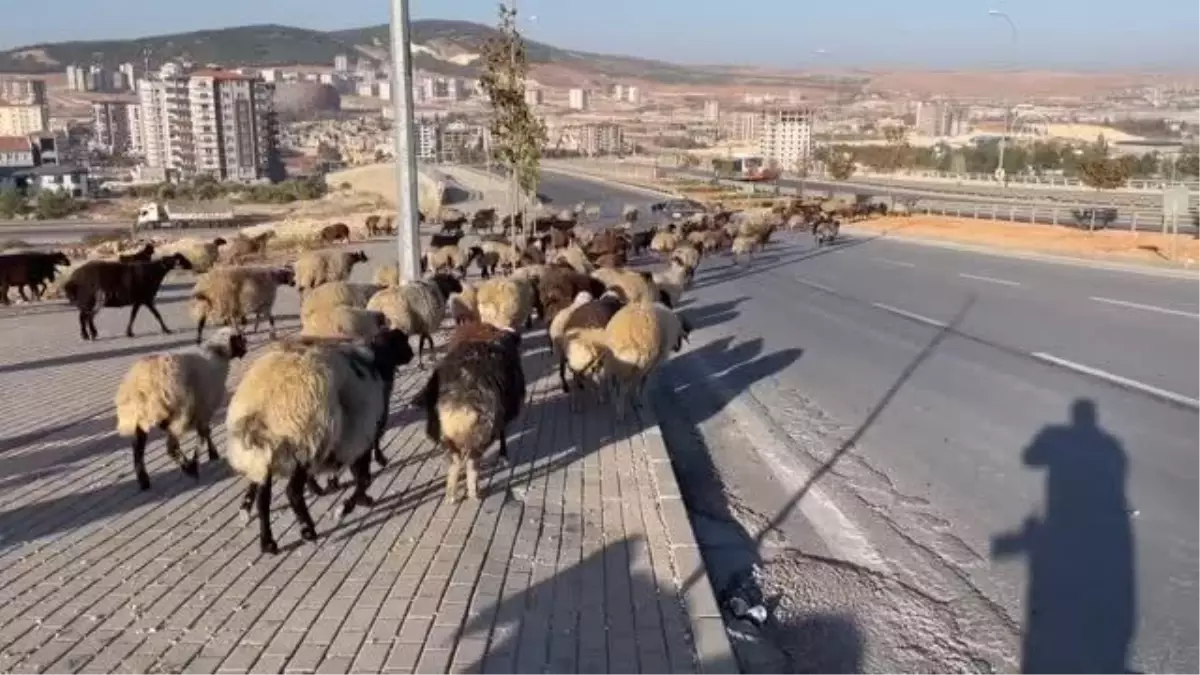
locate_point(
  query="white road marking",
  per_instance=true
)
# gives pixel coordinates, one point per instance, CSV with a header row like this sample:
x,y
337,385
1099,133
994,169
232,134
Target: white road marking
x,y
1148,308
1125,381
897,263
813,284
990,280
908,315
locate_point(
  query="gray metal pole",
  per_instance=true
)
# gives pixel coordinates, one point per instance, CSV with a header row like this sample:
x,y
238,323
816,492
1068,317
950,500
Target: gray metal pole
x,y
407,222
1004,137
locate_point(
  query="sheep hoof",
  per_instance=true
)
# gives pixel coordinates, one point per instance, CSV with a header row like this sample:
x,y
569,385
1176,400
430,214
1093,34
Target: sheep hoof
x,y
308,533
268,546
451,500
192,469
166,331
366,501
143,482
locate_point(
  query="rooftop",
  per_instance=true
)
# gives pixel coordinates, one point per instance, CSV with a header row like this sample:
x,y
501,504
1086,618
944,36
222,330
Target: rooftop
x,y
15,144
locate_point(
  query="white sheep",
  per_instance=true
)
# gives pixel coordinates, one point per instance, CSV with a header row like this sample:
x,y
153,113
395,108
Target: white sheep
x,y
671,283
416,307
341,321
177,393
303,409
231,294
317,267
639,338
505,303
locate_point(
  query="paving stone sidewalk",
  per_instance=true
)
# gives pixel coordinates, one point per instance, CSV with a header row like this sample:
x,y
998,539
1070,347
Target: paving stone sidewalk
x,y
571,562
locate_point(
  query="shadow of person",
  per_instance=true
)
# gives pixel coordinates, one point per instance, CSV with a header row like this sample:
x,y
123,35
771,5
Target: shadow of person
x,y
1080,598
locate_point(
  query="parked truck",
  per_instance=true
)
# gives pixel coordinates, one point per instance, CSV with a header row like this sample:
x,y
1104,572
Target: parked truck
x,y
159,215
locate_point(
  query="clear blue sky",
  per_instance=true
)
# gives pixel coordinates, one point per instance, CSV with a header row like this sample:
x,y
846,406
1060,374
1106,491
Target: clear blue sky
x,y
869,33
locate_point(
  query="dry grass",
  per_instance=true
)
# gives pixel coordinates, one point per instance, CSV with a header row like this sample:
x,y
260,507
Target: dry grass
x,y
380,180
1143,247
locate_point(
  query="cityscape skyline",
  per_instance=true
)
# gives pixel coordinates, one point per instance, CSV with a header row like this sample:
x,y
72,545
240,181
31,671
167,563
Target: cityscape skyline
x,y
1155,34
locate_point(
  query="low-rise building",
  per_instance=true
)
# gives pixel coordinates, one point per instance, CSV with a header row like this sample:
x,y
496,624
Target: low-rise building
x,y
577,99
604,138
22,120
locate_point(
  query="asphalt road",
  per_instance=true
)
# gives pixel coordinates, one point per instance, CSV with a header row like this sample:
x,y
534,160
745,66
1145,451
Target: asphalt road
x,y
52,231
950,380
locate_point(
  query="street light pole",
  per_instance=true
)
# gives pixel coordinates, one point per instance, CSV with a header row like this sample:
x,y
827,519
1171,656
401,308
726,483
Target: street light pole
x,y
407,221
1004,137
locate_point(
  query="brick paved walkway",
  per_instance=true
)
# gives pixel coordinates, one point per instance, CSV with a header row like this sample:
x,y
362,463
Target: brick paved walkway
x,y
571,562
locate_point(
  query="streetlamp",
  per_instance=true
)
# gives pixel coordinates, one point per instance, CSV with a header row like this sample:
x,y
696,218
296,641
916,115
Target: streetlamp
x,y
407,232
1000,173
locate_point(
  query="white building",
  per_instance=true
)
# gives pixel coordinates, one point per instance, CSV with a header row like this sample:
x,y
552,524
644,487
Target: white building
x,y
385,89
269,74
633,95
534,97
605,138
618,92
427,139
712,111
786,137
577,99
23,91
214,122
341,63
128,71
111,119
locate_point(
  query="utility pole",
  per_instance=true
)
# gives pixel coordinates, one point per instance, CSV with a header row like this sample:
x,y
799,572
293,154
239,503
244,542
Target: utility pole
x,y
407,221
1000,172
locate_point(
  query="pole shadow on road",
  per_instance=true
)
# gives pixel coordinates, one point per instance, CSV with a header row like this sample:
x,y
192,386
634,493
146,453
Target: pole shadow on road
x,y
1080,599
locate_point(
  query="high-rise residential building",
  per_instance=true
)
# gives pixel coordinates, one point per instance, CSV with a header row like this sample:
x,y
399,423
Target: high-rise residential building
x,y
23,120
23,91
137,130
129,71
577,99
633,95
712,111
618,92
939,119
99,78
534,97
605,138
341,63
214,122
427,139
76,78
786,137
111,124
742,126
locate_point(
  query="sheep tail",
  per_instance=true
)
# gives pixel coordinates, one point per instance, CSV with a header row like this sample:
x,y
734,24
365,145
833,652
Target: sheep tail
x,y
253,447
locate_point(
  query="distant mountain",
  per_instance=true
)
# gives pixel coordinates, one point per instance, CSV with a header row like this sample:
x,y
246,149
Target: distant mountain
x,y
439,46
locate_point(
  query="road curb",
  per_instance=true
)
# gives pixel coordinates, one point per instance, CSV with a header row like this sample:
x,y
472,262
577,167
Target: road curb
x,y
712,645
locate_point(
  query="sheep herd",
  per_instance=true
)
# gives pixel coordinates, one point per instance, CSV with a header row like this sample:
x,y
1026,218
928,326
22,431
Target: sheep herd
x,y
318,402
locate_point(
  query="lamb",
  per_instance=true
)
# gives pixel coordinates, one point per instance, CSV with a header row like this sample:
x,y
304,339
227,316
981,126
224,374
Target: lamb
x,y
417,308
33,269
671,284
231,294
582,345
242,247
472,396
103,283
307,409
505,303
143,255
318,267
177,393
331,234
632,286
202,255
639,337
559,286
444,258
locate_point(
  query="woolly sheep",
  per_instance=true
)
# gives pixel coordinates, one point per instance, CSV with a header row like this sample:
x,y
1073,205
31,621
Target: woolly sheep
x,y
583,344
446,258
575,257
664,242
416,307
639,337
504,303
387,276
671,284
307,409
744,245
342,322
687,256
558,286
177,393
463,306
472,396
99,283
633,286
318,267
231,294
201,254
337,293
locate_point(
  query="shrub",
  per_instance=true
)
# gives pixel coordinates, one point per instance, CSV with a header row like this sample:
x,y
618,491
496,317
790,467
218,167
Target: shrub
x,y
12,203
97,238
52,204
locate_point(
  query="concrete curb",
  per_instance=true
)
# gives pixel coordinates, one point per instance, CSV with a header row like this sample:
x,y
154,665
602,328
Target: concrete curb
x,y
712,646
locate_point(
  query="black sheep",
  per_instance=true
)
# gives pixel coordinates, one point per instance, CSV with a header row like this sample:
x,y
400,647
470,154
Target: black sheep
x,y
104,283
143,255
32,269
474,394
441,239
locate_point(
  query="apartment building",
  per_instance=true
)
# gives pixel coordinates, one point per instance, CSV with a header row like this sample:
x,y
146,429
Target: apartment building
x,y
939,119
23,120
216,122
577,99
111,124
786,137
633,95
534,97
742,126
23,92
712,111
605,138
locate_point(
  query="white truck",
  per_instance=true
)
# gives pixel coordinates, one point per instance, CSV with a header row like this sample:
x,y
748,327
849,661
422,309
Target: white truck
x,y
158,215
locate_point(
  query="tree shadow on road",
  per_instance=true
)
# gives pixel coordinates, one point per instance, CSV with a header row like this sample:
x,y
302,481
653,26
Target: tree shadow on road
x,y
88,356
1081,597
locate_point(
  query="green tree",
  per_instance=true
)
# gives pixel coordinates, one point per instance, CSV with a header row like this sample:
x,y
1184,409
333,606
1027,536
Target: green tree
x,y
1188,162
1103,173
517,135
53,204
12,203
840,165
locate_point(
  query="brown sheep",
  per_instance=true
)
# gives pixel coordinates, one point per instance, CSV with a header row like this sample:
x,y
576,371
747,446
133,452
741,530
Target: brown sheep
x,y
331,234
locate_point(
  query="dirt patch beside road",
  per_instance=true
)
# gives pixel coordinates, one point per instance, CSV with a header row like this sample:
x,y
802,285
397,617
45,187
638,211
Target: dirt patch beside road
x,y
1144,247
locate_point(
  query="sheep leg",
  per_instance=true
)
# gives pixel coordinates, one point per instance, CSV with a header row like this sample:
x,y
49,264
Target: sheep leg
x,y
200,329
453,466
191,467
313,486
161,324
562,375
21,292
503,448
270,323
139,459
83,325
206,435
361,468
295,496
472,479
132,315
388,385
248,502
266,541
